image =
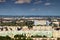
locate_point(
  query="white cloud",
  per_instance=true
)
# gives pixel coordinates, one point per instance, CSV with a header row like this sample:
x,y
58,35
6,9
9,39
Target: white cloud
x,y
47,4
22,1
38,2
2,0
35,9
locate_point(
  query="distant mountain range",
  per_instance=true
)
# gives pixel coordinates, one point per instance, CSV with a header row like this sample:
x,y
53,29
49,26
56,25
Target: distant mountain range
x,y
26,16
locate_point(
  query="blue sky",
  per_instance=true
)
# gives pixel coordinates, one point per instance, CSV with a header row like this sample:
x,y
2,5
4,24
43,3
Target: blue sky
x,y
30,7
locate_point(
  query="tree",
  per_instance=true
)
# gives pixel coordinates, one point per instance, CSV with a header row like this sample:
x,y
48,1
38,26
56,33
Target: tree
x,y
5,38
29,24
29,39
20,37
55,25
49,19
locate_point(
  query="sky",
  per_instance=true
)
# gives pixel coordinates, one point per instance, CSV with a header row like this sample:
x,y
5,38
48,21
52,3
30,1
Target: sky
x,y
30,7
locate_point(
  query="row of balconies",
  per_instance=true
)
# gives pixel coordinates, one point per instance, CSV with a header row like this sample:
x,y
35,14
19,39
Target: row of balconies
x,y
35,28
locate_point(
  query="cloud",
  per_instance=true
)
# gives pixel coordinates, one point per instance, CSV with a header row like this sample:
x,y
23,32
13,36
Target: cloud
x,y
2,0
22,1
47,4
35,9
38,2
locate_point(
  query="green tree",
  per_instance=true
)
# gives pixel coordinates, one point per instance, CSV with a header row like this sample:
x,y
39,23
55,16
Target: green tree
x,y
49,19
5,38
55,25
20,37
30,24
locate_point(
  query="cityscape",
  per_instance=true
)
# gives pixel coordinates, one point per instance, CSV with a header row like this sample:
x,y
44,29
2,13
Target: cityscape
x,y
32,28
29,19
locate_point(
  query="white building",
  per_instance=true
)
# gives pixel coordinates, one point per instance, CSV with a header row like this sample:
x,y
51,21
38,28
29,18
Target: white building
x,y
39,22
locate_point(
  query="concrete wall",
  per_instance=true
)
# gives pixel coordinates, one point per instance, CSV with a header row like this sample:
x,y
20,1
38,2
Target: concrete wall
x,y
56,34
